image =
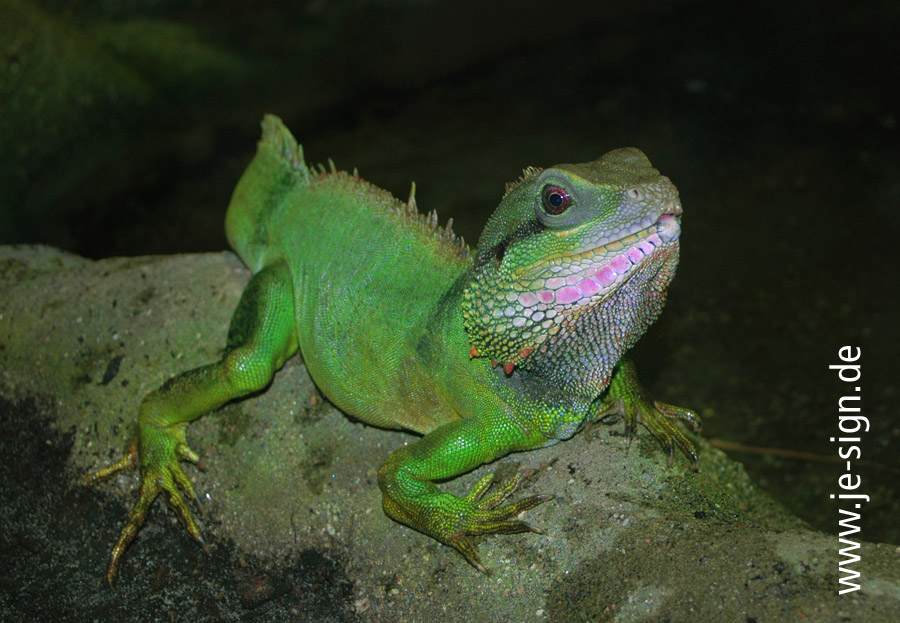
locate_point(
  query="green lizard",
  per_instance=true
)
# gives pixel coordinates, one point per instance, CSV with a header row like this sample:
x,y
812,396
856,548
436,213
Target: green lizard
x,y
401,326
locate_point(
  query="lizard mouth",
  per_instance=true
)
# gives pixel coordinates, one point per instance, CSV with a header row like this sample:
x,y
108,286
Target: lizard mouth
x,y
533,305
582,276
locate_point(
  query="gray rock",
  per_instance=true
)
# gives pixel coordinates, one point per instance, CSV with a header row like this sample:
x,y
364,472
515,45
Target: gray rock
x,y
287,475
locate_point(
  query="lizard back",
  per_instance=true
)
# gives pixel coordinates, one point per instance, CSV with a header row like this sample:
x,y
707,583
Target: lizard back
x,y
369,272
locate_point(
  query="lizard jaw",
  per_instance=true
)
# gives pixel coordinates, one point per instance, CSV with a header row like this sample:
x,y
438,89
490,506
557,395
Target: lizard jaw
x,y
590,274
530,309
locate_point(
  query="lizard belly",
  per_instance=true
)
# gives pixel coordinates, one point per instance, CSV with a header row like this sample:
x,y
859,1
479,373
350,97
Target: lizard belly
x,y
381,386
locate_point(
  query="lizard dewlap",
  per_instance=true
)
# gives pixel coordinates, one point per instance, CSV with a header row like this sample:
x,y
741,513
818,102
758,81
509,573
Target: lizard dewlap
x,y
509,348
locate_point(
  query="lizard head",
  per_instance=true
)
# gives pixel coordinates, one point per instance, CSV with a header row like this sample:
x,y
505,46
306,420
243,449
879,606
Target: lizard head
x,y
574,263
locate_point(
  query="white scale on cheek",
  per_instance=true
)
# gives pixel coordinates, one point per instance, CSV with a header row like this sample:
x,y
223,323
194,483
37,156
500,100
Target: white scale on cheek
x,y
528,299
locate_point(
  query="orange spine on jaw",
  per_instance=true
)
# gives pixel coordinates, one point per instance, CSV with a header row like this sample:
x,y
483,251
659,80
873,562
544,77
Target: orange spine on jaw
x,y
507,367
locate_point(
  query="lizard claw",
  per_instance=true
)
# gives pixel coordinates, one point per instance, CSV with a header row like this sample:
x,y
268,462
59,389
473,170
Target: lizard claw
x,y
628,398
124,464
490,517
160,472
660,419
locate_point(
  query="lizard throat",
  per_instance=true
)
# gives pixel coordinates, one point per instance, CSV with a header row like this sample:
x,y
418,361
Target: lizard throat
x,y
519,313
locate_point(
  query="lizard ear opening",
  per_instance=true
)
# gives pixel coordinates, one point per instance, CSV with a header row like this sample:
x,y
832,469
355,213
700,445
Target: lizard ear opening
x,y
500,252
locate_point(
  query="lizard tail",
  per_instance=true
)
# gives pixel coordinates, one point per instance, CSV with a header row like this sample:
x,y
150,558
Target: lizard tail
x,y
276,135
277,168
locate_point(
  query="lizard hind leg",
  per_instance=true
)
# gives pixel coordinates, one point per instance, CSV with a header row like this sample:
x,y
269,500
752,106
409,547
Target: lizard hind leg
x,y
261,338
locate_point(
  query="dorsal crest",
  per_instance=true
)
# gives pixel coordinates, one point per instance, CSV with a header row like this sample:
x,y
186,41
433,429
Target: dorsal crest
x,y
528,174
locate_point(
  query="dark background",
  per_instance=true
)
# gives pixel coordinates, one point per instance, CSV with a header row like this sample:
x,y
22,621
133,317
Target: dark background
x,y
125,126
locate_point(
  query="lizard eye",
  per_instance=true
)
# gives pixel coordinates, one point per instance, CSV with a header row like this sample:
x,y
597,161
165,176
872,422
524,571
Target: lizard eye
x,y
555,200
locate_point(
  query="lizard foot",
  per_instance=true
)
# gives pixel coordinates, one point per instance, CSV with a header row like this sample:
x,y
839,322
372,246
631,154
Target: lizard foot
x,y
489,516
627,397
158,451
660,419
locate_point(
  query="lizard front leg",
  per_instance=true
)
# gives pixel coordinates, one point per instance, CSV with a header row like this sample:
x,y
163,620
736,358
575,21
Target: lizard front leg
x,y
627,397
260,340
410,496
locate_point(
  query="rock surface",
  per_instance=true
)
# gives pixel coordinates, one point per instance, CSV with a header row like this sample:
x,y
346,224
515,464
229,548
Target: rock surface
x,y
292,510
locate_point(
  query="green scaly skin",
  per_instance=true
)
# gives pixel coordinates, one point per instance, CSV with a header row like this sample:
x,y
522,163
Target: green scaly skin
x,y
401,327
